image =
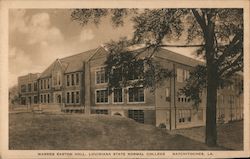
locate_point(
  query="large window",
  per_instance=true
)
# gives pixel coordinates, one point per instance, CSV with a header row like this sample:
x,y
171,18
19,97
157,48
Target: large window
x,y
72,79
102,96
101,111
101,76
41,98
68,97
23,100
29,87
77,97
35,86
35,99
77,79
184,115
136,94
44,98
48,84
44,83
72,97
23,88
182,75
118,96
67,80
56,78
41,84
137,115
48,98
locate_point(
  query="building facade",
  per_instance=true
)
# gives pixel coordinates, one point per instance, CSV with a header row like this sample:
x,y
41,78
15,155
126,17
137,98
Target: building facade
x,y
79,83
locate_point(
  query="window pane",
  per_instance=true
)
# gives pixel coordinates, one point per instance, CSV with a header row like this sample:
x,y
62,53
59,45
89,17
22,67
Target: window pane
x,y
72,97
136,94
118,95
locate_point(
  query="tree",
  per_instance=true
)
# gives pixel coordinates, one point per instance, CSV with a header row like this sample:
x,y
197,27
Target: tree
x,y
216,33
14,96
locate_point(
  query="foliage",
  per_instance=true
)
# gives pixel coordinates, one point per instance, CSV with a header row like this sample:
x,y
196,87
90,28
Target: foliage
x,y
162,126
14,96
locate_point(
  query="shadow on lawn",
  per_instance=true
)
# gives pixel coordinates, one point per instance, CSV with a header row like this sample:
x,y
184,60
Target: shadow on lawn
x,y
28,131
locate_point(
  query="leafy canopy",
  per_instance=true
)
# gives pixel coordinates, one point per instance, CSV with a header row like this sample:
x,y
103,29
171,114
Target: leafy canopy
x,y
216,33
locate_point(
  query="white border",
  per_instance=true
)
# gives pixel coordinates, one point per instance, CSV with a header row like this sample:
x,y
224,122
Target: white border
x,y
5,5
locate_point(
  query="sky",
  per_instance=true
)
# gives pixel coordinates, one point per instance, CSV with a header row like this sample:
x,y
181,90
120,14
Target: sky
x,y
37,37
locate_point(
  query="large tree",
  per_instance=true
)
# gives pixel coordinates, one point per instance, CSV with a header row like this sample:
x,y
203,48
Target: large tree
x,y
216,33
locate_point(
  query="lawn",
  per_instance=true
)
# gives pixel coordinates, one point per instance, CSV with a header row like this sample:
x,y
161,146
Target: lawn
x,y
29,131
230,135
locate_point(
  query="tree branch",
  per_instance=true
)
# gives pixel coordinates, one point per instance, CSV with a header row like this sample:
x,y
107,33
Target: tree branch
x,y
199,19
195,45
235,63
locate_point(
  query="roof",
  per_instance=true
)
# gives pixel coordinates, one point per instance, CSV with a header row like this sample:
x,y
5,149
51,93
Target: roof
x,y
72,63
178,58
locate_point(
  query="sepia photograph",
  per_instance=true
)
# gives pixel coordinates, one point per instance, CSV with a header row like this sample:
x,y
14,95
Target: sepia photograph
x,y
140,81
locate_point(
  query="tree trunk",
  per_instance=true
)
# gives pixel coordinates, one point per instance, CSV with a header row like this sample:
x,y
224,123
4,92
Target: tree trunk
x,y
211,132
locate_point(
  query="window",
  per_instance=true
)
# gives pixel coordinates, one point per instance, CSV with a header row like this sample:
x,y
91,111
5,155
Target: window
x,y
179,75
186,75
41,98
35,86
44,98
184,115
48,98
23,101
101,76
77,79
67,80
41,84
29,87
45,83
23,88
58,78
77,97
35,99
102,96
54,80
167,94
72,80
182,75
101,111
68,97
118,95
137,115
136,94
72,97
48,84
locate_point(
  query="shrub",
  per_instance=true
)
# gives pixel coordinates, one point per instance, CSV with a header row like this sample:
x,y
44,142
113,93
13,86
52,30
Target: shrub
x,y
162,126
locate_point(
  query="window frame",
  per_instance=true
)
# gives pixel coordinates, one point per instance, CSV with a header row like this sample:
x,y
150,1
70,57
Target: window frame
x,y
144,93
106,79
113,96
101,89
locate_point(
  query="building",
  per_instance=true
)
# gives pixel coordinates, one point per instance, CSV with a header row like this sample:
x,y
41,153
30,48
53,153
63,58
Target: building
x,y
78,84
28,89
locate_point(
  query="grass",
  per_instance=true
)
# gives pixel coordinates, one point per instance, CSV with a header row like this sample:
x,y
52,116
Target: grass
x,y
29,131
229,135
